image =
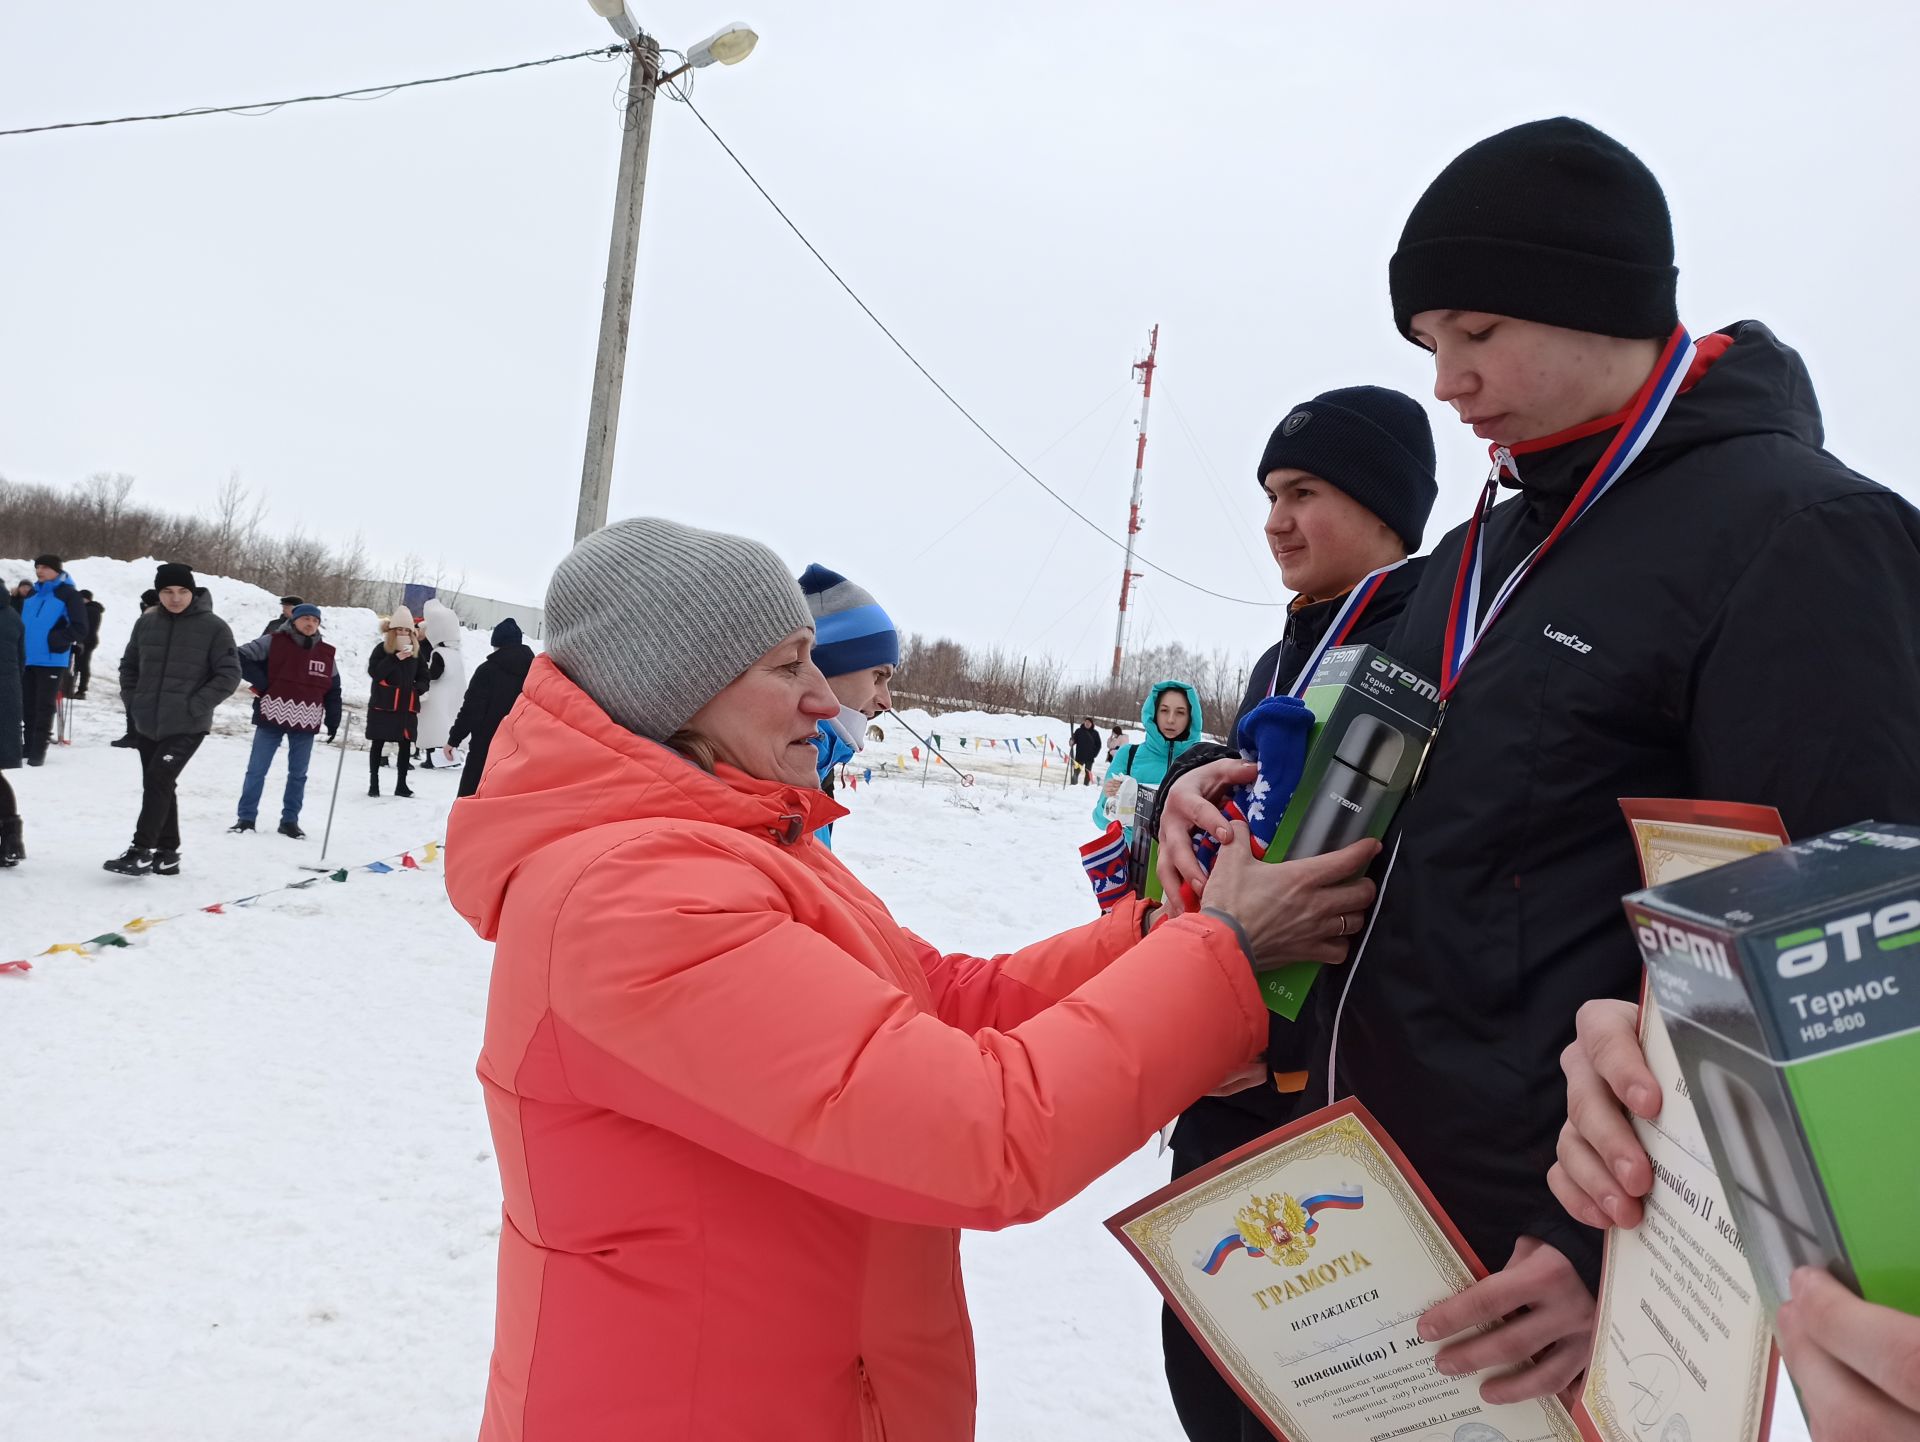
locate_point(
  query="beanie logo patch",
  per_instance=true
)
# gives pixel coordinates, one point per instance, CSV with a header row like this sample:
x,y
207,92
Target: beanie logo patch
x,y
1295,423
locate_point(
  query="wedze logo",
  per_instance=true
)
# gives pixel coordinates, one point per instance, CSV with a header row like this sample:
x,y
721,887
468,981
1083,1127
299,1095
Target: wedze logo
x,y
1571,642
1393,672
1708,953
1804,952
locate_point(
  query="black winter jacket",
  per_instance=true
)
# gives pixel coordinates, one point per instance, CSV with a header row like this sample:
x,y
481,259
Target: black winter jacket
x,y
1738,620
13,641
393,710
1085,744
177,669
494,687
1214,1126
491,692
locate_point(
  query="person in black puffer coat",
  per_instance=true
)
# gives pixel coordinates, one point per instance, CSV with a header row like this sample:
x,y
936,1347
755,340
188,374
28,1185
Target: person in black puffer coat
x,y
13,637
398,667
1348,480
490,695
178,667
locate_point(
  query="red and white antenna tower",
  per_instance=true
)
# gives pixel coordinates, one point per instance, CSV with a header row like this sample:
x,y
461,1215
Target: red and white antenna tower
x,y
1144,370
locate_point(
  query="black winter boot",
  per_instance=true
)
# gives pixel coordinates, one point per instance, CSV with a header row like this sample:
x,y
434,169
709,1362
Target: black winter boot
x,y
292,828
239,826
134,861
166,863
13,850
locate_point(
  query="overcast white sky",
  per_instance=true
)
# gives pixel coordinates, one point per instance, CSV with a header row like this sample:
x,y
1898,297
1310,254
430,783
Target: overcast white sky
x,y
383,314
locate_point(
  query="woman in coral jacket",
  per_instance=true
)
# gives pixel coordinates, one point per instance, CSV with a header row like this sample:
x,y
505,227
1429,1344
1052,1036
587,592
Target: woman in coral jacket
x,y
740,1111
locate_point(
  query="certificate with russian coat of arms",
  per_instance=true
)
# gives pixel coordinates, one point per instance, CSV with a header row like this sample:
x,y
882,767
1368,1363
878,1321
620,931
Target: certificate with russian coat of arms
x,y
1301,1265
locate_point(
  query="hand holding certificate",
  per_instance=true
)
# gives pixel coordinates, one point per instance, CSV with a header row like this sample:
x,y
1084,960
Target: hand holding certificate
x,y
1682,1350
1303,1264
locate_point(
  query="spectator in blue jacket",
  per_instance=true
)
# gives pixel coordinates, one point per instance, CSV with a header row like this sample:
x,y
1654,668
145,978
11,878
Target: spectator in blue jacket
x,y
856,648
56,621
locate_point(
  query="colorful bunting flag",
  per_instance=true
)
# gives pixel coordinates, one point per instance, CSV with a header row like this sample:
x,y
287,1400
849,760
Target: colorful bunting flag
x,y
16,966
408,862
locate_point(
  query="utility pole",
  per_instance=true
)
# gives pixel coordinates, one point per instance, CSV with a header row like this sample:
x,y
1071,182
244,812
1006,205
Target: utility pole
x,y
1144,370
616,306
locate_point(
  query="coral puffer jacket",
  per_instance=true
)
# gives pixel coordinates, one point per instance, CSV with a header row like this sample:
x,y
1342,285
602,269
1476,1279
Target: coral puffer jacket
x,y
740,1111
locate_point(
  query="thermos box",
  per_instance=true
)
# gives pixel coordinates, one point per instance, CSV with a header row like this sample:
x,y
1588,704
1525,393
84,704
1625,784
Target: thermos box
x,y
1372,720
1790,983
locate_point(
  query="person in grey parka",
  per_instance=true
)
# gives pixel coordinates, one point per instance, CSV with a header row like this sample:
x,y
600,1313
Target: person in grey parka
x,y
179,665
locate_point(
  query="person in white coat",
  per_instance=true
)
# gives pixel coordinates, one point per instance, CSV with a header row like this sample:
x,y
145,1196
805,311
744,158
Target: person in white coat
x,y
448,670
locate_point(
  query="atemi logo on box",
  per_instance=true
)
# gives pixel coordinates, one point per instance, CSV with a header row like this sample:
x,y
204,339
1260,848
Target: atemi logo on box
x,y
1393,671
1804,952
1708,953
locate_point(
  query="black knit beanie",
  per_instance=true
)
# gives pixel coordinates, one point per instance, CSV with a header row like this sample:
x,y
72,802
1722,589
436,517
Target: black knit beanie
x,y
1551,221
173,573
1372,443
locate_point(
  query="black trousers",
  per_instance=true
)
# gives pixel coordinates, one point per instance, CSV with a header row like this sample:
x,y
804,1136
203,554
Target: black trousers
x,y
1209,1410
476,763
162,759
83,664
41,695
403,758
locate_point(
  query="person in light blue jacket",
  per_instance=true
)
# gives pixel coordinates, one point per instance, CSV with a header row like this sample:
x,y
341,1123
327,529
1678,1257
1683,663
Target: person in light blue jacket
x,y
856,648
1171,717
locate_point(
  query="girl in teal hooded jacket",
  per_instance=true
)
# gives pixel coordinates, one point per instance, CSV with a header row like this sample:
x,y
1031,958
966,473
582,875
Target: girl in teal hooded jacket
x,y
1170,731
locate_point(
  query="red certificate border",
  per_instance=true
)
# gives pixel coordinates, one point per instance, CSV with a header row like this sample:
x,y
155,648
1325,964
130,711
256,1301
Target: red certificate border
x,y
1347,1106
1739,816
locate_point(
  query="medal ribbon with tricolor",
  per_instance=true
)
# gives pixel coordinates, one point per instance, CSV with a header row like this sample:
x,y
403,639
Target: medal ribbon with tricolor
x,y
1344,620
1643,418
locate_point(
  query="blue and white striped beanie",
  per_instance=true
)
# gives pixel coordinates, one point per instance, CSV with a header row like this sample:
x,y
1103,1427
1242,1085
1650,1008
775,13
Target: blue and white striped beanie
x,y
851,632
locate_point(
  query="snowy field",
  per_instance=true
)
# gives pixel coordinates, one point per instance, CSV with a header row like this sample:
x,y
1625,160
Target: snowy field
x,y
249,1190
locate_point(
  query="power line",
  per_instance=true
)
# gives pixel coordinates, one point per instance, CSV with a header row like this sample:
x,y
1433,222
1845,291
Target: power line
x,y
948,395
1235,524
995,494
268,107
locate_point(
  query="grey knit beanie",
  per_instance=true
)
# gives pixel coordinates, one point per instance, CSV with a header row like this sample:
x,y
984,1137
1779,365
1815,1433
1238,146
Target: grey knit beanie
x,y
653,619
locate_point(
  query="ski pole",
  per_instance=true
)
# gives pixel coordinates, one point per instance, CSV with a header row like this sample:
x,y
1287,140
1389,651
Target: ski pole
x,y
326,838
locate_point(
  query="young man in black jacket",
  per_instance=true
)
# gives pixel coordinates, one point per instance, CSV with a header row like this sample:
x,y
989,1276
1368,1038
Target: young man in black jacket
x,y
1683,594
178,667
1348,481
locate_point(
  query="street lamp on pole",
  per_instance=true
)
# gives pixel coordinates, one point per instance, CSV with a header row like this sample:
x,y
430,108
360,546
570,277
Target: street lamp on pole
x,y
728,46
